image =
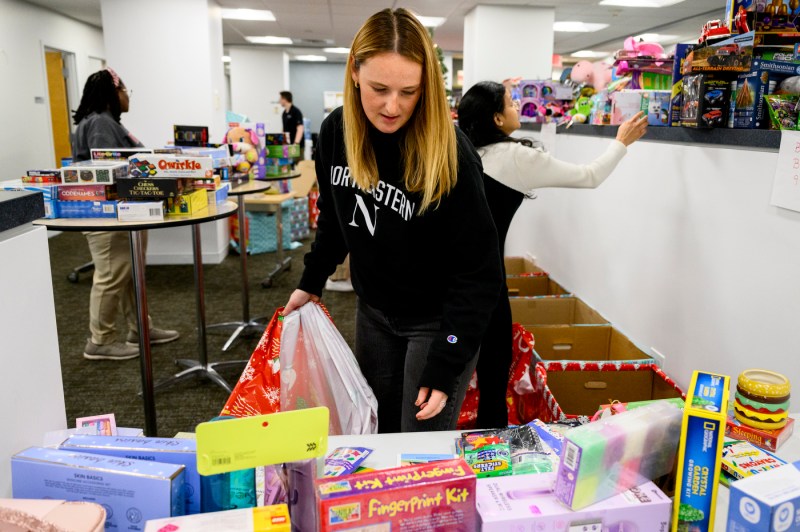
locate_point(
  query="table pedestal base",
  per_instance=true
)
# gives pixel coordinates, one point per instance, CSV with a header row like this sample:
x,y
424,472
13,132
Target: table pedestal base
x,y
241,328
195,368
284,265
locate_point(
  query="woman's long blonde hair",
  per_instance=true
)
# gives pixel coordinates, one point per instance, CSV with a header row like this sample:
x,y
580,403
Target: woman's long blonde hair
x,y
429,150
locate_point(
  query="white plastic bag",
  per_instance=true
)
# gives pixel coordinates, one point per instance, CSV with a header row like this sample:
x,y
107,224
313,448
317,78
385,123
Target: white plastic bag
x,y
319,369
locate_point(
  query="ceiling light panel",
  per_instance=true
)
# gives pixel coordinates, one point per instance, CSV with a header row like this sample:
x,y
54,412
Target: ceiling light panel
x,y
268,39
577,27
248,14
640,3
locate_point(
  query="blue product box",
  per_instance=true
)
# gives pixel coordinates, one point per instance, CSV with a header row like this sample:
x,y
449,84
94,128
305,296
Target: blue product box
x,y
219,195
681,51
166,450
751,110
220,155
48,191
131,491
767,502
700,452
86,209
657,106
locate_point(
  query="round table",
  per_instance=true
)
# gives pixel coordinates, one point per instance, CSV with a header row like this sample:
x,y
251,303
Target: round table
x,y
199,367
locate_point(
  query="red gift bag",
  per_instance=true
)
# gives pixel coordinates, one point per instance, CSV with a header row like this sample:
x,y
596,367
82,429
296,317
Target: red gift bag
x,y
259,388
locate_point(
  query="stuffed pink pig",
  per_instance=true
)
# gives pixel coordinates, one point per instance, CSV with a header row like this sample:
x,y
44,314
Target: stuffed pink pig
x,y
597,74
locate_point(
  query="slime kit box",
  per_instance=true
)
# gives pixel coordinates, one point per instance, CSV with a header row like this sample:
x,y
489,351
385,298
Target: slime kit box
x,y
769,502
167,450
94,172
702,435
170,166
438,495
132,491
527,503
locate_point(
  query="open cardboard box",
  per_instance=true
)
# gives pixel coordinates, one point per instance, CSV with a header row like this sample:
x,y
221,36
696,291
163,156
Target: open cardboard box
x,y
566,310
584,342
533,285
520,265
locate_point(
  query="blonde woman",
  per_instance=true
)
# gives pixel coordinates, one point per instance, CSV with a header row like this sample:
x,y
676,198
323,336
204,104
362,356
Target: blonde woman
x,y
402,192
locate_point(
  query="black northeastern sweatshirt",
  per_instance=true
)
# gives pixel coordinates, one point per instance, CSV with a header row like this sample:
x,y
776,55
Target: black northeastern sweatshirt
x,y
443,264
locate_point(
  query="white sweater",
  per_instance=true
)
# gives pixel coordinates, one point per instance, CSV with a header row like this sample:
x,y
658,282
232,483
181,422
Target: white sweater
x,y
523,169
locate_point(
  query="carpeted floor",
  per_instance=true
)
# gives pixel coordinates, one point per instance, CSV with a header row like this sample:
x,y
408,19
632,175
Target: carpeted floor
x,y
97,387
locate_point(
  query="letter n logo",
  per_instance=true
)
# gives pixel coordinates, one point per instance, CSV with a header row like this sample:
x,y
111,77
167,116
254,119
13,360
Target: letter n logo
x,y
360,205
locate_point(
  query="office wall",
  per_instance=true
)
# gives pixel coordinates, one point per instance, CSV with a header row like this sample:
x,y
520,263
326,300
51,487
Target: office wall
x,y
257,75
308,81
26,139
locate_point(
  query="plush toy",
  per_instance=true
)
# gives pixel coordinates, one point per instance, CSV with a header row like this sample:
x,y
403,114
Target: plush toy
x,y
583,108
244,144
597,74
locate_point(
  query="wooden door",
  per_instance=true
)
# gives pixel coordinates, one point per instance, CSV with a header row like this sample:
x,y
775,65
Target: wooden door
x,y
59,108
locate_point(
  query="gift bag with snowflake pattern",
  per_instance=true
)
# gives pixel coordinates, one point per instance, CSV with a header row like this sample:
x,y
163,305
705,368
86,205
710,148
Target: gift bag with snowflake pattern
x,y
259,388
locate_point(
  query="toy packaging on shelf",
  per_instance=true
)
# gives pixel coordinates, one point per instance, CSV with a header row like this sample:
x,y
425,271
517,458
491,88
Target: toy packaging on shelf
x,y
778,16
94,172
116,154
263,519
625,104
170,166
544,89
730,55
741,459
165,450
770,440
617,453
42,176
142,188
528,503
438,495
751,107
140,211
676,97
188,203
132,491
87,193
501,452
783,111
706,101
767,502
86,209
601,109
702,435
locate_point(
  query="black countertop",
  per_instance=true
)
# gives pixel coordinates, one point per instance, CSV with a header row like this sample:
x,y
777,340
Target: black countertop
x,y
19,208
756,139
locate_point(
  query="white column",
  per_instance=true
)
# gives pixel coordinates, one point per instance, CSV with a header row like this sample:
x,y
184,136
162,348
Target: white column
x,y
170,54
507,41
257,77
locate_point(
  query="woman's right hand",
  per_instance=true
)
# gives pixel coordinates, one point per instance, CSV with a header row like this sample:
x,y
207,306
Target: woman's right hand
x,y
298,299
632,129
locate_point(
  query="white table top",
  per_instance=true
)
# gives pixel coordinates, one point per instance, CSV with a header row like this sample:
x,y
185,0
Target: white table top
x,y
387,448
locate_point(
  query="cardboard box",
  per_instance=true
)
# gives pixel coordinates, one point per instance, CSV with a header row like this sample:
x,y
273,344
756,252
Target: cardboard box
x,y
116,154
527,503
768,502
730,55
565,310
140,211
188,203
770,440
520,266
132,491
438,495
533,285
262,519
751,109
165,450
42,176
699,465
94,172
143,188
706,101
87,193
282,151
86,209
170,166
584,342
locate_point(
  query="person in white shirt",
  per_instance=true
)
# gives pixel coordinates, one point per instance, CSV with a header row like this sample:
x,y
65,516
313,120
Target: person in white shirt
x,y
513,169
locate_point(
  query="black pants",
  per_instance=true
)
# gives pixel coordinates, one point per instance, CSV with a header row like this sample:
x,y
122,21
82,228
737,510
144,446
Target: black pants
x,y
494,365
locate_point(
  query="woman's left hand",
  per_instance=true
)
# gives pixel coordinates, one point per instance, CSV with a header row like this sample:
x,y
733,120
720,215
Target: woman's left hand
x,y
432,406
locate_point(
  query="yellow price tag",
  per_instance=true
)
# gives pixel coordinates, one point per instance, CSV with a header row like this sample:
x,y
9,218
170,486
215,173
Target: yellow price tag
x,y
234,444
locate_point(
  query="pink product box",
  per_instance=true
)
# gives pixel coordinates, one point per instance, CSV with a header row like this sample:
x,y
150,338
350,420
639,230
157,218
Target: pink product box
x,y
525,503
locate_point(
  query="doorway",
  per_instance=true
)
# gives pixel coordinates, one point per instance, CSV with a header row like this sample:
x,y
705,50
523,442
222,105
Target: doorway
x,y
59,66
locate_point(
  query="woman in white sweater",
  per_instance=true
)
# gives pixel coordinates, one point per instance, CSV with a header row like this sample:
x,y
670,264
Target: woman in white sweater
x,y
513,169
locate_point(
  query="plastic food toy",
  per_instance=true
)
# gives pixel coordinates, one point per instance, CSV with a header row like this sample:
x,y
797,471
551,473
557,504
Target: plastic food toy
x,y
597,74
244,144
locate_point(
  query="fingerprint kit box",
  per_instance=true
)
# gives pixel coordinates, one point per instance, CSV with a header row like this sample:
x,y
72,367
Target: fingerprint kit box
x,y
527,503
141,211
132,491
166,450
145,188
86,193
116,154
170,165
616,453
262,519
42,176
94,172
763,79
699,465
49,192
741,459
706,101
769,502
438,495
188,203
770,440
86,209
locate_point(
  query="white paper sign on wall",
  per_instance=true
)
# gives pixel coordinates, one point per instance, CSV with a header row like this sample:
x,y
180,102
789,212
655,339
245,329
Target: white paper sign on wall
x,y
786,186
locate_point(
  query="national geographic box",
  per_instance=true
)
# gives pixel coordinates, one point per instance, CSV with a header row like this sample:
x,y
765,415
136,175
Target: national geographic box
x,y
132,491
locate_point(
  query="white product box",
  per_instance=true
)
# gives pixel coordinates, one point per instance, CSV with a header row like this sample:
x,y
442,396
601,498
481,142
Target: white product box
x,y
170,166
94,172
767,502
140,211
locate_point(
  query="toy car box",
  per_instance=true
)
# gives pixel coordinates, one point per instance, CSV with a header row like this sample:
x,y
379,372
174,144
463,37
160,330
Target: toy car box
x,y
706,101
262,519
94,172
166,450
768,502
438,495
132,491
527,503
731,55
699,453
751,109
86,193
170,166
145,188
